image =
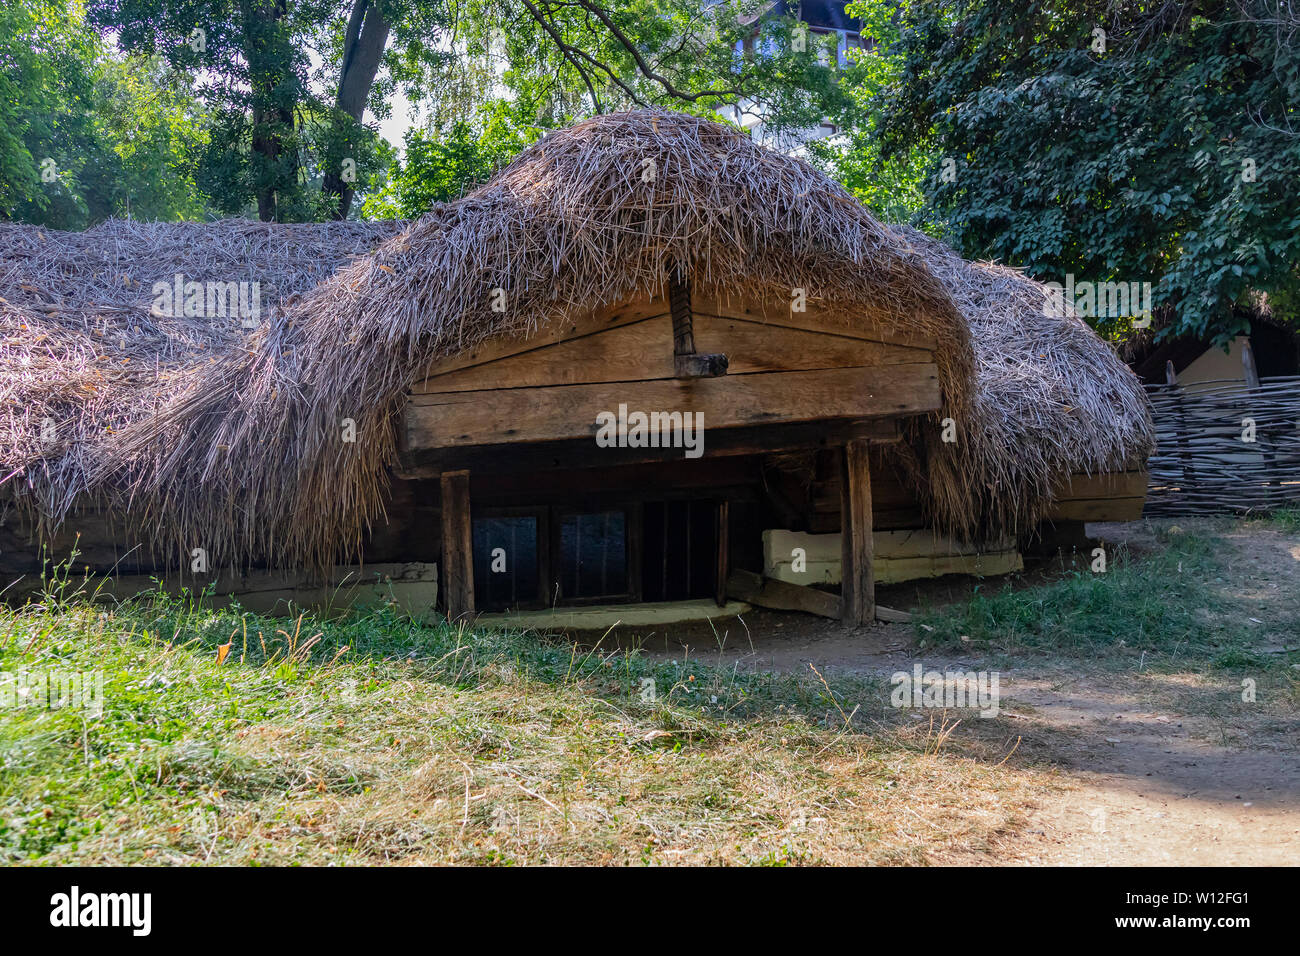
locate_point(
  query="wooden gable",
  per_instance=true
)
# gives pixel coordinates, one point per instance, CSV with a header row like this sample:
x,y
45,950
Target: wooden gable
x,y
782,369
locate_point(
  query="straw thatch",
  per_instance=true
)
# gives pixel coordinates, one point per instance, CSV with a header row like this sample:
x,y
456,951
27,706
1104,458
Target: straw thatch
x,y
1050,399
83,355
211,437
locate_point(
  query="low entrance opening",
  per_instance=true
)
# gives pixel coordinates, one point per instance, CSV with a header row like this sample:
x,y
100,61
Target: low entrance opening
x,y
643,551
680,543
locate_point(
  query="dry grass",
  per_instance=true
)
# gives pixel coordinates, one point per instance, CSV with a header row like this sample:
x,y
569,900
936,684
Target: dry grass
x,y
430,745
521,775
233,444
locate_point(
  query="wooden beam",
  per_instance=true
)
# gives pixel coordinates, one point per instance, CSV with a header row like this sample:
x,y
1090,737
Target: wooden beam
x,y
855,322
1106,484
516,458
564,412
857,585
780,596
723,552
636,309
637,351
756,347
1108,496
457,545
628,352
1096,509
655,478
890,616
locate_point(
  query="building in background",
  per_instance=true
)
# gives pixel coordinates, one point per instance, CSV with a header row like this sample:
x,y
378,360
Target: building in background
x,y
823,18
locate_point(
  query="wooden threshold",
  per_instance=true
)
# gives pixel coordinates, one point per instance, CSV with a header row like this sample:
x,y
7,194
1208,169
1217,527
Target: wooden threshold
x,y
601,617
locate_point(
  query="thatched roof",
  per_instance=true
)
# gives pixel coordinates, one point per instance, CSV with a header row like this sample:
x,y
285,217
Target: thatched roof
x,y
82,349
212,437
1050,399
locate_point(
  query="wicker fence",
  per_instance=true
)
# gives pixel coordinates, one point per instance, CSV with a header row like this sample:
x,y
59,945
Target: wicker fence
x,y
1225,446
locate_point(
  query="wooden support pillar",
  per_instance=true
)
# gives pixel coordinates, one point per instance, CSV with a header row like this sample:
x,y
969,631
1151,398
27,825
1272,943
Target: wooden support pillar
x,y
857,588
1264,435
457,545
724,549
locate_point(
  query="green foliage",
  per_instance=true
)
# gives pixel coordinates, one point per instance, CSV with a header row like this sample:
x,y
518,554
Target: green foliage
x,y
85,134
273,141
562,61
1287,519
262,110
1163,605
165,748
890,186
147,113
439,168
1130,160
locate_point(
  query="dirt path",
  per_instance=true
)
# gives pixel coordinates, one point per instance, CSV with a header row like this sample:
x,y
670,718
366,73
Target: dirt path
x,y
1149,789
1157,769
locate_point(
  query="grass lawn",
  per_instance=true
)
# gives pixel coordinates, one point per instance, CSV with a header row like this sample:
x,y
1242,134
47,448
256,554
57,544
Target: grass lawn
x,y
229,738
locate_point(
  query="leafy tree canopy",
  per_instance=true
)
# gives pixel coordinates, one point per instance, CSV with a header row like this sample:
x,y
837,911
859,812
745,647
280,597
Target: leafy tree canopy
x,y
1114,141
441,165
86,133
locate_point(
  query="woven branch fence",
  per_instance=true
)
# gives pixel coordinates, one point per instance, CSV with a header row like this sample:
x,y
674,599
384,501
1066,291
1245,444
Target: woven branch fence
x,y
1206,461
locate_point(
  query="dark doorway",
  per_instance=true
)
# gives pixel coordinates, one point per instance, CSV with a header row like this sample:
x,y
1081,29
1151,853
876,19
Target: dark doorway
x,y
679,548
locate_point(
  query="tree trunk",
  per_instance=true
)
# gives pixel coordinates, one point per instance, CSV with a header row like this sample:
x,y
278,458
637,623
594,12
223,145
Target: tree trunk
x,y
363,49
268,61
268,144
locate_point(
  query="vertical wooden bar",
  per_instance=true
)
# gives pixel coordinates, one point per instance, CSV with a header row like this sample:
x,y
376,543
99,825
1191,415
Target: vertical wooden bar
x,y
1248,365
543,544
1262,437
686,507
635,550
724,548
679,305
1188,482
457,545
555,547
663,592
857,589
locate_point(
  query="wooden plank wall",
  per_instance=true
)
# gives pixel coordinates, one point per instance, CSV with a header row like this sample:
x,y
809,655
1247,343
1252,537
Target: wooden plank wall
x,y
782,369
564,413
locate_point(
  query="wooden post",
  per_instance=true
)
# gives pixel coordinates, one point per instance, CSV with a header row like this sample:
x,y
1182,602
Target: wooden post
x,y
724,548
679,305
1188,482
1248,365
1262,438
457,545
857,588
